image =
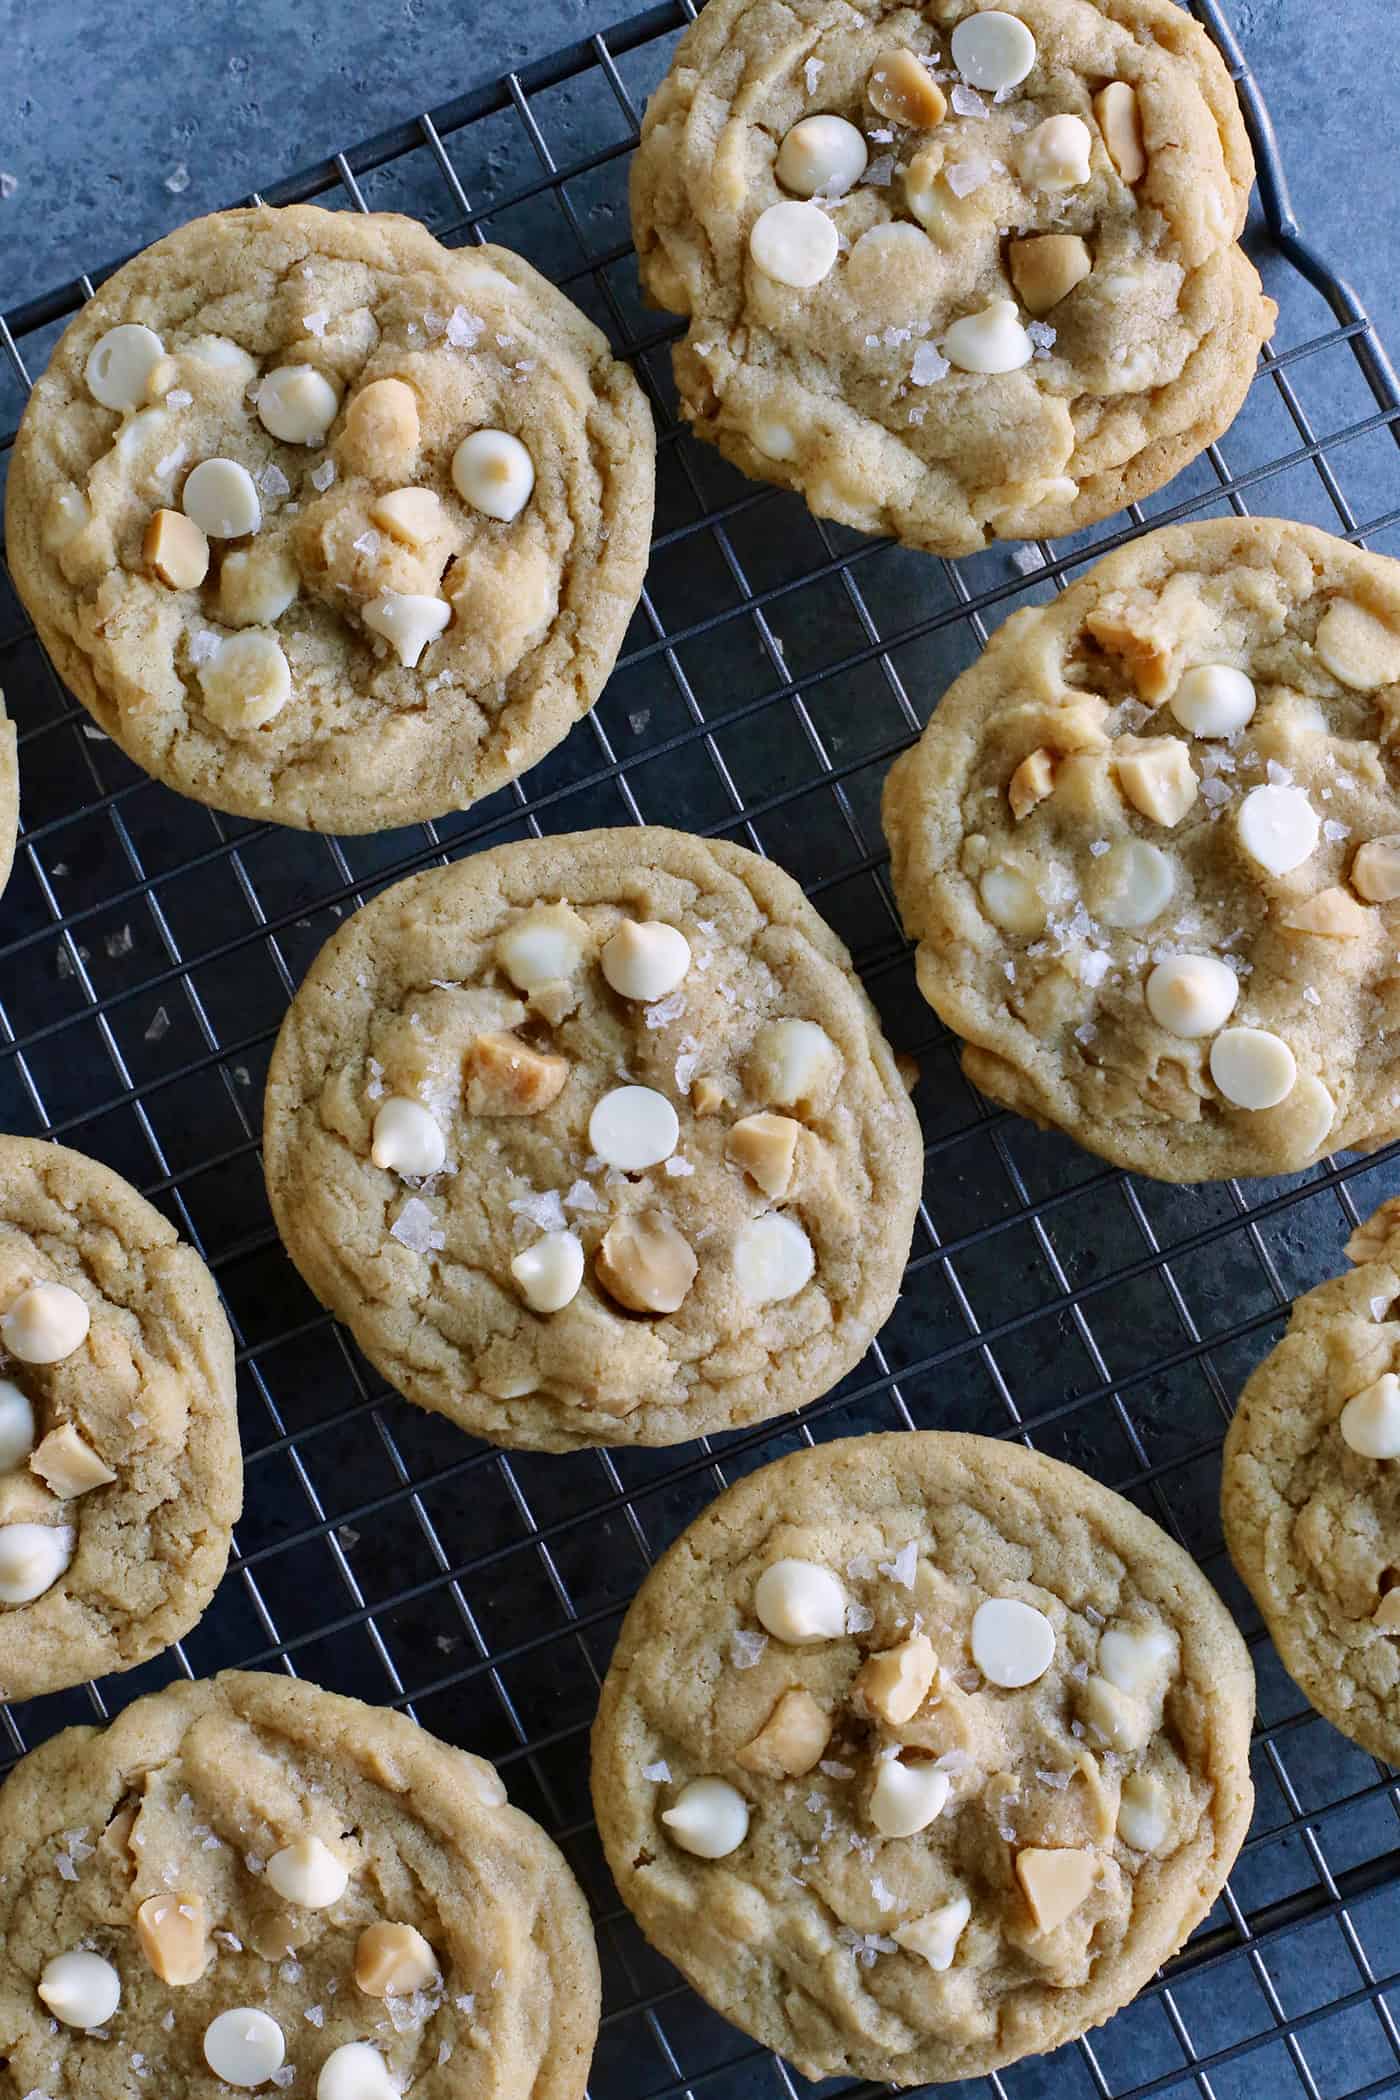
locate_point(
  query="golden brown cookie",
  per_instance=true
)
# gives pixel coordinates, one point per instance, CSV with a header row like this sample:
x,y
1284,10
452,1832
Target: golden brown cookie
x,y
1311,1491
953,272
920,1753
252,1882
595,1140
1149,848
327,523
120,1470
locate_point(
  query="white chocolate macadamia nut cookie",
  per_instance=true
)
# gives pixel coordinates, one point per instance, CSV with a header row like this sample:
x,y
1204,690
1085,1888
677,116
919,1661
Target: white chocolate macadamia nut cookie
x,y
919,1753
1149,848
952,272
1311,1491
454,1957
120,1468
327,523
595,1140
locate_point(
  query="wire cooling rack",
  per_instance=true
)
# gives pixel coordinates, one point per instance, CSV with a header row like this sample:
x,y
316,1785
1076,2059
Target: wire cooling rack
x,y
775,666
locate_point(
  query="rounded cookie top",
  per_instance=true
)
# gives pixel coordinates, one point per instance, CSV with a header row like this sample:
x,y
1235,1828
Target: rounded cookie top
x,y
595,1139
258,1879
919,1753
1149,847
953,278
9,794
120,1468
327,523
1310,1500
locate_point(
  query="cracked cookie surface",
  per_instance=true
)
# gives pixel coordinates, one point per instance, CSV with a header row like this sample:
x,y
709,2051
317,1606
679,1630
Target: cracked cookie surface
x,y
953,290
330,524
921,1752
1311,1491
256,1878
595,1139
1149,848
120,1468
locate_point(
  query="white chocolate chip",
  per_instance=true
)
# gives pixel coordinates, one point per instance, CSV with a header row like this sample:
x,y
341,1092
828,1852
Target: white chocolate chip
x,y
80,1989
307,1872
821,154
1157,777
1137,1659
765,1147
1056,1882
646,1263
45,1324
408,620
1214,700
993,50
120,365
355,2071
1278,827
895,1683
1370,1421
1131,884
792,1064
32,1557
1116,1717
1143,1821
414,517
774,439
17,1427
1192,995
1332,914
297,404
1252,1067
221,498
1055,156
1011,900
773,1259
710,1818
990,341
794,243
645,959
800,1603
393,1961
256,585
790,1741
493,472
1012,1642
1359,650
1375,872
1031,782
173,1929
550,1272
244,2047
68,1466
544,946
176,549
934,1937
905,1799
633,1127
247,682
406,1138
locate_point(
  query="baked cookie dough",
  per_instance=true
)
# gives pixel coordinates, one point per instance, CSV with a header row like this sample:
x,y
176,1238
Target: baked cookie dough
x,y
121,1475
254,1883
920,1753
594,1140
1149,848
953,272
9,794
327,523
1311,1493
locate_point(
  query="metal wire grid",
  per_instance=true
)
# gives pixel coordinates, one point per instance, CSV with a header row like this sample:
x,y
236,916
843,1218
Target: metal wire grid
x,y
150,950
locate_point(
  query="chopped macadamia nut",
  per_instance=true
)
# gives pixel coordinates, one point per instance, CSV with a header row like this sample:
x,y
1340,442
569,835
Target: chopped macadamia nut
x,y
307,1872
645,959
256,585
706,1096
120,364
68,1465
1013,1643
244,2046
414,517
793,1064
821,155
32,1557
1115,1717
221,498
549,1273
176,549
407,1139
1046,268
393,1961
247,682
546,944
173,1930
1156,775
794,243
765,1146
1031,782
506,1077
791,1741
1333,914
1120,121
800,1603
633,1128
906,1798
45,1324
1370,1421
1375,872
901,88
493,472
710,1818
934,1937
895,1683
80,1989
1143,1821
1055,1882
645,1263
1359,650
1134,633
380,436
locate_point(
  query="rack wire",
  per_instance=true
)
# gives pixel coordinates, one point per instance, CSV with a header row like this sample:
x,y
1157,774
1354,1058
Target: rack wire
x,y
775,666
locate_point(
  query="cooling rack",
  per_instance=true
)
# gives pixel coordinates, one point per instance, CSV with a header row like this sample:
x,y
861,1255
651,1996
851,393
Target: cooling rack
x,y
775,666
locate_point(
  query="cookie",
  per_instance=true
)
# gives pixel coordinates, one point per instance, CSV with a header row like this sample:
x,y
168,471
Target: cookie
x,y
919,1753
257,1879
1311,1506
953,273
121,1475
594,1140
327,523
9,794
1149,848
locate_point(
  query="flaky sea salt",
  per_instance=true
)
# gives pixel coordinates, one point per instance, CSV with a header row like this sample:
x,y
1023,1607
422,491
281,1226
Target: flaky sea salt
x,y
413,1227
884,1895
179,397
859,1618
169,462
1334,831
658,1773
158,1026
860,1568
367,544
880,172
679,1169
745,1648
321,477
902,1568
583,1196
315,323
1042,337
812,71
662,1012
833,1768
463,329
967,102
1057,1781
273,482
929,365
541,1207
178,180
968,175
1027,560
